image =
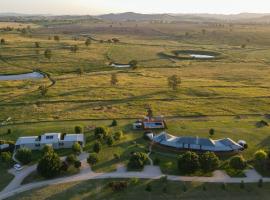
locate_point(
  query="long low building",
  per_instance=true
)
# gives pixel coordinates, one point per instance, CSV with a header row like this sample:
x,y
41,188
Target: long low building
x,y
56,140
196,143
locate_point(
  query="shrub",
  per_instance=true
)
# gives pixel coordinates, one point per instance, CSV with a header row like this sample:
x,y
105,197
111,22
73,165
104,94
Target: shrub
x,y
24,155
76,148
260,183
92,159
188,162
211,132
156,161
64,166
50,165
224,186
148,187
134,181
209,161
238,163
70,159
47,149
137,160
6,157
116,156
77,164
9,131
118,135
78,129
114,123
260,157
118,186
184,188
101,132
110,141
242,185
97,147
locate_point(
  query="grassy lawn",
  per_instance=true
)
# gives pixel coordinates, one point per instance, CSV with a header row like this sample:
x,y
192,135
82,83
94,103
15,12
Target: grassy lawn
x,y
5,176
98,189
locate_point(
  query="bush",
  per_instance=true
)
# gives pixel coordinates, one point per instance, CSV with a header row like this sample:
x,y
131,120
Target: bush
x,y
148,187
64,166
24,155
137,160
47,149
101,132
188,162
78,129
116,156
110,141
211,132
50,165
260,157
70,159
238,163
76,148
77,164
242,185
114,123
92,159
118,135
134,181
260,183
156,161
97,147
6,157
209,161
118,186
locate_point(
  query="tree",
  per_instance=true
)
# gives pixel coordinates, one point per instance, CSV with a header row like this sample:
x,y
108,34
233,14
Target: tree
x,y
76,148
209,161
43,89
114,123
243,46
260,157
115,40
56,38
174,81
70,159
188,162
92,159
77,164
211,132
118,135
238,163
50,165
2,41
133,63
24,155
78,129
37,44
114,79
48,54
74,48
87,42
137,160
110,140
6,157
47,149
97,147
101,132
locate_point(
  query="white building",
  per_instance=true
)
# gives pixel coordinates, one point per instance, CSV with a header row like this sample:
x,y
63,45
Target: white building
x,y
56,140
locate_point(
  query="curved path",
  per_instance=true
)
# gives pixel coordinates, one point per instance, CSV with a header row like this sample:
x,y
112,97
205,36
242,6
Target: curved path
x,y
149,172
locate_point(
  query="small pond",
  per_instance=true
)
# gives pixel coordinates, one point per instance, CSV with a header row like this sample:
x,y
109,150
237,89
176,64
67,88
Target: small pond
x,y
201,56
120,65
32,75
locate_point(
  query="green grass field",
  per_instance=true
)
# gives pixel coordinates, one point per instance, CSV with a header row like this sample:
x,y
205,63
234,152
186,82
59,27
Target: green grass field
x,y
229,94
98,189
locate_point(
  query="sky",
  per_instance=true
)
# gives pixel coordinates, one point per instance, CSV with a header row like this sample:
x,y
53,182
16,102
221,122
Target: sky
x,y
94,7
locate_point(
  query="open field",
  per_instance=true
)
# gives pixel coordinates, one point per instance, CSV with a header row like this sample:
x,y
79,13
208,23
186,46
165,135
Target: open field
x,y
98,189
229,94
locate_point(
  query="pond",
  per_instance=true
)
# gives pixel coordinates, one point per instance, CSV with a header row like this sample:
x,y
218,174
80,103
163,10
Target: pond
x,y
120,65
32,75
201,56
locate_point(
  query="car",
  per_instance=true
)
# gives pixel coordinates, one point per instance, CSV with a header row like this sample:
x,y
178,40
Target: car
x,y
17,167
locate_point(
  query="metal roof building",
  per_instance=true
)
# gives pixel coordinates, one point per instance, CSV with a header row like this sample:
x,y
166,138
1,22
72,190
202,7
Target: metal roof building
x,y
196,143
